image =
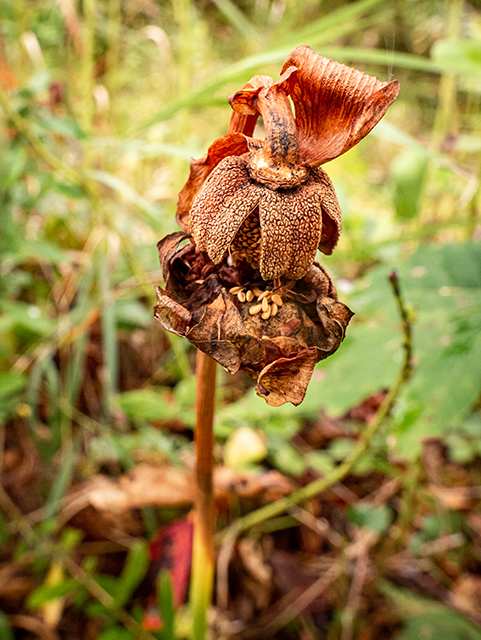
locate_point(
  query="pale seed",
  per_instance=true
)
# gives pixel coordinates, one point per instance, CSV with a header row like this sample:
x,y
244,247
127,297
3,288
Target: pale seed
x,y
199,281
265,305
267,314
257,292
235,290
277,299
263,295
241,296
255,309
249,295
274,309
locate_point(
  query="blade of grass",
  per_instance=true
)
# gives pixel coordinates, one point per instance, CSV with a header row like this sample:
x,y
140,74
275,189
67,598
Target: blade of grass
x,y
337,24
237,19
63,477
109,331
166,605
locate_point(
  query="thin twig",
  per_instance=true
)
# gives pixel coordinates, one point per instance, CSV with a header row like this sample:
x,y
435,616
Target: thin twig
x,y
290,609
337,474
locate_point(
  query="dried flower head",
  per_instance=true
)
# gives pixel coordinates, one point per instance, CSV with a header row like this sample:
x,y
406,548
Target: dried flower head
x,y
245,288
275,334
276,185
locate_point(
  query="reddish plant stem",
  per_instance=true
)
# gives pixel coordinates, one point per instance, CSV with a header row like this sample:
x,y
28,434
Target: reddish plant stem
x,y
203,558
204,441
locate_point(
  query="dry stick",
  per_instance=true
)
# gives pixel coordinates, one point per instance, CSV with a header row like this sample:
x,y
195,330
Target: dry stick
x,y
337,474
203,558
290,609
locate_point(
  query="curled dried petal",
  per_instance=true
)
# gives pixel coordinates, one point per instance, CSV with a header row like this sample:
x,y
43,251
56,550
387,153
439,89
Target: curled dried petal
x,y
336,106
286,379
232,144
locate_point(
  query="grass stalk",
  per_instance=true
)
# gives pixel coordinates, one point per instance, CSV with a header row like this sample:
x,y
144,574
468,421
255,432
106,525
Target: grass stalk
x,y
203,558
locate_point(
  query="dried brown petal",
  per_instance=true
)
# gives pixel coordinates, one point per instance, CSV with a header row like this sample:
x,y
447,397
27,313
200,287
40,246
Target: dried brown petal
x,y
171,315
222,206
232,144
336,106
286,379
291,231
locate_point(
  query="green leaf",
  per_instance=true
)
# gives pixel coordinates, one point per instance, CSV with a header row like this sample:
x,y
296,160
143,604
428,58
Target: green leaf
x,y
5,629
116,633
458,55
11,384
166,604
443,283
377,518
47,592
426,619
134,570
408,172
147,404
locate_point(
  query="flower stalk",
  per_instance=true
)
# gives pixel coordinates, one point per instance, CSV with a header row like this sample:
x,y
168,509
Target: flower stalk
x,y
203,556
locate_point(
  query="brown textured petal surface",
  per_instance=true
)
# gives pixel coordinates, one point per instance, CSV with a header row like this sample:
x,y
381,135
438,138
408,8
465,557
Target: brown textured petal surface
x,y
331,211
286,379
336,106
226,199
291,230
232,144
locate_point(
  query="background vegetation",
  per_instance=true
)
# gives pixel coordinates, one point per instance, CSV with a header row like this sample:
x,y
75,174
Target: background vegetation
x,y
102,104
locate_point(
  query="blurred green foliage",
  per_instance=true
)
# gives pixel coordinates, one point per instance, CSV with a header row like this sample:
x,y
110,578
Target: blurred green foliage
x,y
103,103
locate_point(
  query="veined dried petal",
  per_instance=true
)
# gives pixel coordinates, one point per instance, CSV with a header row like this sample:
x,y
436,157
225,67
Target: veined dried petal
x,y
336,106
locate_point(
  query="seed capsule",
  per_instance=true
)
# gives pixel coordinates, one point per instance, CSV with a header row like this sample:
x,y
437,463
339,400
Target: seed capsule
x,y
255,309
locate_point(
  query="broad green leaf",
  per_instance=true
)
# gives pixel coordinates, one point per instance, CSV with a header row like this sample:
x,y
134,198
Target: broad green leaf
x,y
426,619
443,284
